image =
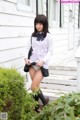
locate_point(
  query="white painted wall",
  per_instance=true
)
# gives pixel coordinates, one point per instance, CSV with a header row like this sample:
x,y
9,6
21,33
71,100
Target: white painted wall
x,y
63,54
16,27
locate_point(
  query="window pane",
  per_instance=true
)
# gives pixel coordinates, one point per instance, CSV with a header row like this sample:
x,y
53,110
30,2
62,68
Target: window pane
x,y
55,3
25,2
54,9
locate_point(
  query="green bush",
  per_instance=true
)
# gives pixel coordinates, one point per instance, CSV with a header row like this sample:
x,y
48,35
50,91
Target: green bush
x,y
19,104
14,98
67,107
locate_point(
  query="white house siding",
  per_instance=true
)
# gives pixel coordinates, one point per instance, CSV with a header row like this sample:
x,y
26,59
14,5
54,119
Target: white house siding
x,y
63,55
77,30
15,28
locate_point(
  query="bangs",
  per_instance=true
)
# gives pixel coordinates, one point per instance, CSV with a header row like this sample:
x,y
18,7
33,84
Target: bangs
x,y
40,19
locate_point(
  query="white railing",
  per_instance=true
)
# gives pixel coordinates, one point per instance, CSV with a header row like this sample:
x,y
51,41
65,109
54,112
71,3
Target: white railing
x,y
77,56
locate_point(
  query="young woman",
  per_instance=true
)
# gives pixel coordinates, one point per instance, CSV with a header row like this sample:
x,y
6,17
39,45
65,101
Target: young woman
x,y
42,45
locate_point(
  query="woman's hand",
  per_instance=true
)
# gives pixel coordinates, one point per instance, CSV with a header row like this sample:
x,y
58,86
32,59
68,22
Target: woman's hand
x,y
27,61
40,63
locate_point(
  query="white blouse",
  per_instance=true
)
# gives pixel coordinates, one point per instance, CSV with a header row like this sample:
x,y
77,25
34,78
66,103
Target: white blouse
x,y
42,50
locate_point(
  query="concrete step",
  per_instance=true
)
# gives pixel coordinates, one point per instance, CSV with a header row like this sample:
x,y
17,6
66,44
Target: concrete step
x,y
63,70
60,77
53,94
62,80
59,82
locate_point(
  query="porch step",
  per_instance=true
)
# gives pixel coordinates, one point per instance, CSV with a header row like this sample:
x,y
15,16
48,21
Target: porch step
x,y
63,70
53,94
61,80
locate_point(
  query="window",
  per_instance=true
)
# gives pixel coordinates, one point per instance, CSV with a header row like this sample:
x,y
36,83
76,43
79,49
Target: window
x,y
25,2
53,9
55,12
26,5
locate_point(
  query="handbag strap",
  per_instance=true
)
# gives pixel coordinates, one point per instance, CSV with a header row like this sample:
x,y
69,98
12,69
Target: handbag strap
x,y
31,40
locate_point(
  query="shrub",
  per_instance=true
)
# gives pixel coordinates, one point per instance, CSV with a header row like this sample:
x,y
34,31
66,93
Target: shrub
x,y
14,98
67,107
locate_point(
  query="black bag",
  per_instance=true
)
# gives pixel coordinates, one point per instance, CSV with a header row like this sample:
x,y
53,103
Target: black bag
x,y
26,67
30,50
45,72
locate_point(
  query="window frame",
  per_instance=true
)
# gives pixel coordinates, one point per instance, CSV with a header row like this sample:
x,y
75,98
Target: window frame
x,y
79,16
59,21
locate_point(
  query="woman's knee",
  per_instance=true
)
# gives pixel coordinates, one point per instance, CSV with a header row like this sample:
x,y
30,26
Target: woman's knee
x,y
34,87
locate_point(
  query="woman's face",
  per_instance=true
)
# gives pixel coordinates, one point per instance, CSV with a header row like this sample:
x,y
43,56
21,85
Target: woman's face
x,y
39,27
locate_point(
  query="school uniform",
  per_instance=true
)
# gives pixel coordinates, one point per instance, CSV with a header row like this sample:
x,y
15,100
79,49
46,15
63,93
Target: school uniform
x,y
42,50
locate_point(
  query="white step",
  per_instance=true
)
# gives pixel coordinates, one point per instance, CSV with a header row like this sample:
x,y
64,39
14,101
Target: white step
x,y
61,80
53,94
62,70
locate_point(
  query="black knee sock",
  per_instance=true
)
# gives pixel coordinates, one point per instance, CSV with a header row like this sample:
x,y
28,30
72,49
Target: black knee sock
x,y
41,96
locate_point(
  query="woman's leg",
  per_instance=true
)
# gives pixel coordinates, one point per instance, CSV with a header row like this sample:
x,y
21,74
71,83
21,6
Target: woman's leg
x,y
32,72
35,86
36,80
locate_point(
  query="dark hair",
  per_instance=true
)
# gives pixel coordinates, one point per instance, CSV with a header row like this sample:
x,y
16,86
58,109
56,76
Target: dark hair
x,y
43,20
